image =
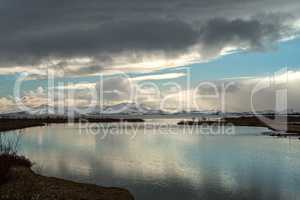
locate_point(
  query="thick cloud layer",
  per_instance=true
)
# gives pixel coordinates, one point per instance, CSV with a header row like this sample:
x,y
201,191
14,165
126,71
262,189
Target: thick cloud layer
x,y
117,33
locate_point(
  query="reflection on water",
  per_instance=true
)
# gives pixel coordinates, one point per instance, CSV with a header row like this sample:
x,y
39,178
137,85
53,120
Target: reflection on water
x,y
160,166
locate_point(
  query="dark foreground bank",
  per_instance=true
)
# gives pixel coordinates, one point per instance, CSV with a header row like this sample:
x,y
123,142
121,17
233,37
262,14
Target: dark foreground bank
x,y
25,184
19,182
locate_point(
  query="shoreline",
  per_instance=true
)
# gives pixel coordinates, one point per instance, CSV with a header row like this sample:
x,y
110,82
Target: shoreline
x,y
26,184
280,128
7,124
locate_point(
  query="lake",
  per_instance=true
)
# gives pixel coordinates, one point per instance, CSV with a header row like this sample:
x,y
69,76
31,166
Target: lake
x,y
156,162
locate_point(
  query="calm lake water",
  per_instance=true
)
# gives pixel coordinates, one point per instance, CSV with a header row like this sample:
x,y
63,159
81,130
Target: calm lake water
x,y
169,164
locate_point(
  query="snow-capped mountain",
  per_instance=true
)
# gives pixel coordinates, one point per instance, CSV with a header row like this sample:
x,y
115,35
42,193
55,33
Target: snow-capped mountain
x,y
57,111
127,108
50,111
42,111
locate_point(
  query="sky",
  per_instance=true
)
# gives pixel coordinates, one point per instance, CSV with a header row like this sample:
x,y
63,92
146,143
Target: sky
x,y
172,54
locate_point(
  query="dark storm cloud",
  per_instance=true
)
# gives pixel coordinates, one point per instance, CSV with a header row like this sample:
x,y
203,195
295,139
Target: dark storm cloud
x,y
107,38
254,34
34,30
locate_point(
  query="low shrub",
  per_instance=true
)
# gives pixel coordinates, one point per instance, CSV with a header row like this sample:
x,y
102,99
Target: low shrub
x,y
9,157
8,161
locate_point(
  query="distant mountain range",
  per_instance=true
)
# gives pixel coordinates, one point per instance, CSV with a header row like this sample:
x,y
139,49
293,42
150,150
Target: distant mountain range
x,y
127,108
118,109
131,109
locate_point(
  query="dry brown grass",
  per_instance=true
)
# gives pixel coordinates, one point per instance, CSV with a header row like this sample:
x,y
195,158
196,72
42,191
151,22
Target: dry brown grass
x,y
9,157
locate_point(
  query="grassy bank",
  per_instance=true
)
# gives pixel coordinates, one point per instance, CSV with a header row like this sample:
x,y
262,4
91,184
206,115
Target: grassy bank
x,y
24,184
